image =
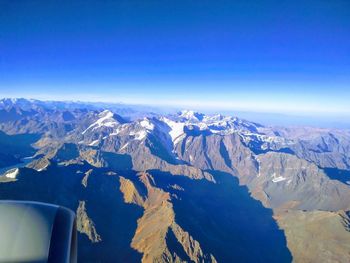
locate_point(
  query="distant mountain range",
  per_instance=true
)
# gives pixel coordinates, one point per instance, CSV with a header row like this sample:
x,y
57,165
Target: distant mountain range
x,y
185,187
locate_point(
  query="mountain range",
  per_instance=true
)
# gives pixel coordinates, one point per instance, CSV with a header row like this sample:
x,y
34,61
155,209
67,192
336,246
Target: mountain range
x,y
181,187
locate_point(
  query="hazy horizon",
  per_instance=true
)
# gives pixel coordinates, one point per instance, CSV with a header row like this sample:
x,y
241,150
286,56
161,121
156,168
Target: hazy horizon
x,y
265,118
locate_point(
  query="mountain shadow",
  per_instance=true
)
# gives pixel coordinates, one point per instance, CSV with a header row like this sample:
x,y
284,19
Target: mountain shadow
x,y
225,219
118,161
338,174
15,147
114,220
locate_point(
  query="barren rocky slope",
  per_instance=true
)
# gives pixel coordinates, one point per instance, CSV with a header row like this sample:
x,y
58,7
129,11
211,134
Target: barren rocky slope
x,y
185,187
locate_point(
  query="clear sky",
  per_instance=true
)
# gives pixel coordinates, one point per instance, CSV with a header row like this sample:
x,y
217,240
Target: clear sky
x,y
268,56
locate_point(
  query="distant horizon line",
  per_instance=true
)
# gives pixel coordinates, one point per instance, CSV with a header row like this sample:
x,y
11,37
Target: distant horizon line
x,y
183,107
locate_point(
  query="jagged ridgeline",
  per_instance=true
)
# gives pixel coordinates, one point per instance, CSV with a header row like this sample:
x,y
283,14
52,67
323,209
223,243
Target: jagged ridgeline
x,y
183,187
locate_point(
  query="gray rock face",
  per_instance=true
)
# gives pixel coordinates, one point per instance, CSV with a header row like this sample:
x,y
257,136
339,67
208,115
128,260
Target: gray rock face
x,y
286,178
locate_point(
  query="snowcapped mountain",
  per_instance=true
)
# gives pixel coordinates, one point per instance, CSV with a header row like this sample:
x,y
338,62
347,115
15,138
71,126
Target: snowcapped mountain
x,y
172,130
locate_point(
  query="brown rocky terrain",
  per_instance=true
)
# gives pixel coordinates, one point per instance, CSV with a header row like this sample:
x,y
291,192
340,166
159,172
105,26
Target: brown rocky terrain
x,y
316,236
85,225
158,219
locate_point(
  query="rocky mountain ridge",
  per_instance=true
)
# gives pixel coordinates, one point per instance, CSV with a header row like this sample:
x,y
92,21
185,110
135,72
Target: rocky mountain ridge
x,y
165,166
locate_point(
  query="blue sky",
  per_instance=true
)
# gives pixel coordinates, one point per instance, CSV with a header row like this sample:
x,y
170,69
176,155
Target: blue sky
x,y
266,56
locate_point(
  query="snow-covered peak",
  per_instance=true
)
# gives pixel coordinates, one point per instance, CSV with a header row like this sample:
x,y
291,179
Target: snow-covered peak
x,y
9,100
106,119
214,123
147,124
106,114
191,115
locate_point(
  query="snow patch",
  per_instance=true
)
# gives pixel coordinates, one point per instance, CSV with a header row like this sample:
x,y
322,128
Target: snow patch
x,y
176,130
124,146
259,164
41,169
13,173
145,123
94,143
140,135
278,179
